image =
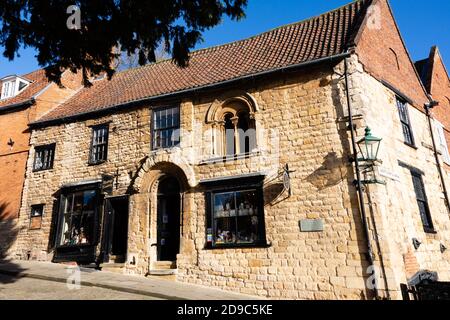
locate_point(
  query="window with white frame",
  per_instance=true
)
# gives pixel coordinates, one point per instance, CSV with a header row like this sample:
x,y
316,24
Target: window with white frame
x,y
166,128
12,86
442,142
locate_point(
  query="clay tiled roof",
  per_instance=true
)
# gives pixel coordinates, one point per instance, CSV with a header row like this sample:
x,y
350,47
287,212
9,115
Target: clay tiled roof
x,y
320,37
38,83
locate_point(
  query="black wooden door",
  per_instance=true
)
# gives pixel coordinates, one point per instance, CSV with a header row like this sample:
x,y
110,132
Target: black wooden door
x,y
168,220
115,233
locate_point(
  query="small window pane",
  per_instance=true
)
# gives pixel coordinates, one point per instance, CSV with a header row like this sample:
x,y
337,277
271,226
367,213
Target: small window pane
x,y
166,127
405,121
421,197
99,149
37,211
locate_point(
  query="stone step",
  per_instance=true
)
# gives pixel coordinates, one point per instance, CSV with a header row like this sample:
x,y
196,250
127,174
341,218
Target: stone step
x,y
163,272
113,267
164,265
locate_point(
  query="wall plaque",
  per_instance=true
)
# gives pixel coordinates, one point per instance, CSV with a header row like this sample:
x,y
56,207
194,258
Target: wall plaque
x,y
310,225
384,172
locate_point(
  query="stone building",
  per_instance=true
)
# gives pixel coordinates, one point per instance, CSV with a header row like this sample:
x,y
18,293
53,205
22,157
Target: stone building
x,y
23,99
238,172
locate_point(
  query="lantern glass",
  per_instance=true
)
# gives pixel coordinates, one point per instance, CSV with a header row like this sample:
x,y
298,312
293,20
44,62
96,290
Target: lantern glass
x,y
369,146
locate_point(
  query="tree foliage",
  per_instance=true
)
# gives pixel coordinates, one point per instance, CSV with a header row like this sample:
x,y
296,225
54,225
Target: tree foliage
x,y
135,26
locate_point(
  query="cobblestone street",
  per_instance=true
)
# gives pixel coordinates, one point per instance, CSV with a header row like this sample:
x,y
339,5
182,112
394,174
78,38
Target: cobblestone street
x,y
33,289
40,281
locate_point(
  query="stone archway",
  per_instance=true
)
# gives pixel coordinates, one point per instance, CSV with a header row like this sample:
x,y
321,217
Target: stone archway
x,y
145,236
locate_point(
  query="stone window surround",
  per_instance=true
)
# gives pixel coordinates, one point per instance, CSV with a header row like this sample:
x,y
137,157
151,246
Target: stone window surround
x,y
232,102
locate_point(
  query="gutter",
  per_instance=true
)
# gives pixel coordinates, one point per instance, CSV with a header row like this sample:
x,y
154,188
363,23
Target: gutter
x,y
358,182
17,106
175,94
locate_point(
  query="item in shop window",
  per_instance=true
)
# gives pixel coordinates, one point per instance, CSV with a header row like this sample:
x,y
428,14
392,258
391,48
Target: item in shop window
x,y
83,239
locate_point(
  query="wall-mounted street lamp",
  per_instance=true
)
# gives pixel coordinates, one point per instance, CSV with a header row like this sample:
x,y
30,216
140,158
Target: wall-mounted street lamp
x,y
369,146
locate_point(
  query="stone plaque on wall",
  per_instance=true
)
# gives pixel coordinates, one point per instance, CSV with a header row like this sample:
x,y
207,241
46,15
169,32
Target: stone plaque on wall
x,y
312,225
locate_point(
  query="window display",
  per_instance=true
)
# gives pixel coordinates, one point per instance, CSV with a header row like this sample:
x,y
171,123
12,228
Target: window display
x,y
79,218
236,219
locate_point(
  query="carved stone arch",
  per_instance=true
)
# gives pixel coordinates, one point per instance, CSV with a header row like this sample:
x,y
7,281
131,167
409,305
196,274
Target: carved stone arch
x,y
216,109
156,166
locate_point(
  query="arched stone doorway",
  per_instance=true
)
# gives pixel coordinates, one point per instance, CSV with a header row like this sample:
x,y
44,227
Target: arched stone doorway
x,y
169,218
160,208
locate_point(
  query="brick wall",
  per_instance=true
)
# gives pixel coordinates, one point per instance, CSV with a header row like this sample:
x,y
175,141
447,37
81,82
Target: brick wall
x,y
14,126
440,91
384,55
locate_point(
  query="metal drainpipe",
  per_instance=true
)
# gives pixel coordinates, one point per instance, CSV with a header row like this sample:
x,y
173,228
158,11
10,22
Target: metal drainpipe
x,y
358,183
438,163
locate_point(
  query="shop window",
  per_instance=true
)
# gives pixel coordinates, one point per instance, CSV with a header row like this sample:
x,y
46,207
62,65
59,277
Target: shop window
x,y
44,157
37,212
406,122
99,145
166,128
78,214
422,201
236,219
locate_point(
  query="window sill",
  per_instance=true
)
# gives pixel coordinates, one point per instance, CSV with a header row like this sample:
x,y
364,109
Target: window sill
x,y
411,145
42,170
238,246
93,164
430,231
74,246
236,157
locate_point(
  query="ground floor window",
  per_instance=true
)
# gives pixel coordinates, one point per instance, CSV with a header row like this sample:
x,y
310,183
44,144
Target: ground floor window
x,y
236,218
78,214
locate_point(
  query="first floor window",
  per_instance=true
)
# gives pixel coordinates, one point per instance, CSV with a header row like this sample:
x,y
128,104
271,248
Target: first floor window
x,y
237,219
79,211
422,201
166,128
44,157
406,122
99,145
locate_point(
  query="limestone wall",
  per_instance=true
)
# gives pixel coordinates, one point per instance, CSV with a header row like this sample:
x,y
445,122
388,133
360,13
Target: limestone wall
x,y
300,121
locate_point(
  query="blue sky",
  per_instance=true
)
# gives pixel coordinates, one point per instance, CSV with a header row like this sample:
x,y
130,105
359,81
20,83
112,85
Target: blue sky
x,y
423,23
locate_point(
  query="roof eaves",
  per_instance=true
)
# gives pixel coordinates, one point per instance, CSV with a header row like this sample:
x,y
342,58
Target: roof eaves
x,y
56,121
17,106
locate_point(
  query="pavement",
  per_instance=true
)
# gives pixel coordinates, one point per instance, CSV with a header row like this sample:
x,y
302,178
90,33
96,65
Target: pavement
x,y
61,283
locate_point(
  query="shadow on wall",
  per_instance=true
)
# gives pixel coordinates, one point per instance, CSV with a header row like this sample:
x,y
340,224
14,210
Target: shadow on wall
x,y
8,235
329,174
275,191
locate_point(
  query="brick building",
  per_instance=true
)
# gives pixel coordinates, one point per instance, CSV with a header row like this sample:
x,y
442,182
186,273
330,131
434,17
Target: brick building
x,y
435,78
23,99
234,172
